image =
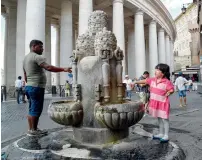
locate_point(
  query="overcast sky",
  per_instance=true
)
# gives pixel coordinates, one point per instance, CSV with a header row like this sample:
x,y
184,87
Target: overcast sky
x,y
174,6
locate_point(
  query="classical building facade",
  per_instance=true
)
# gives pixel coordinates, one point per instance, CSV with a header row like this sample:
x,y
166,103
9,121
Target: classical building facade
x,y
145,31
184,52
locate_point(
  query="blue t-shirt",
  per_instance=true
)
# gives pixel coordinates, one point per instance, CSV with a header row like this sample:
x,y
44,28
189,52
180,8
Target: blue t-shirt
x,y
144,89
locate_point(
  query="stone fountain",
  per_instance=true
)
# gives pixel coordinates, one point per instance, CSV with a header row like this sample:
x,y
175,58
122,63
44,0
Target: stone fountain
x,y
99,113
99,122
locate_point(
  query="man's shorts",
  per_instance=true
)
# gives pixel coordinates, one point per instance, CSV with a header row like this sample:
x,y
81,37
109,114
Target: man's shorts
x,y
144,97
36,99
182,93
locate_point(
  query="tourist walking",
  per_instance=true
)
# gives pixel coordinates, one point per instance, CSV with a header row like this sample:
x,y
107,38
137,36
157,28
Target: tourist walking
x,y
180,84
18,86
33,65
190,85
159,104
129,86
67,89
70,81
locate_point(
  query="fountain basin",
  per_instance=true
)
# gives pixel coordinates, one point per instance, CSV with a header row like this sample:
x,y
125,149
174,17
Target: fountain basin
x,y
119,116
66,112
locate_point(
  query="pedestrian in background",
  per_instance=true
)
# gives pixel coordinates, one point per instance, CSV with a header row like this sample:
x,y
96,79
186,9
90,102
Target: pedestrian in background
x,y
180,84
70,81
18,87
67,89
159,104
129,86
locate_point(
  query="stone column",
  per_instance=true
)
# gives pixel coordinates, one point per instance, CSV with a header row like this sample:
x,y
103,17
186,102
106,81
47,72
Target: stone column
x,y
146,35
171,57
161,46
167,40
153,50
65,37
20,37
57,53
147,53
10,53
118,28
4,81
35,22
131,55
126,51
140,65
85,9
47,47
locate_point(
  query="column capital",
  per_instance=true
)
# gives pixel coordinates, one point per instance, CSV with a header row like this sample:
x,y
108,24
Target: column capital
x,y
153,21
67,0
55,25
118,1
55,22
167,36
139,12
48,14
161,30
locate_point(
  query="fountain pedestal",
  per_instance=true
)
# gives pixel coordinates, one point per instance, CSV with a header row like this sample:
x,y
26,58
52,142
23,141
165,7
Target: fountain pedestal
x,y
98,136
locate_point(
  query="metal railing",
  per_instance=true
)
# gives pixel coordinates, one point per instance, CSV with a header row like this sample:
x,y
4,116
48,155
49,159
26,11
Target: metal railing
x,y
11,91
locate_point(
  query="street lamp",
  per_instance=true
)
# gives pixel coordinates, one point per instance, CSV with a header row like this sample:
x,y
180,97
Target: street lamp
x,y
184,8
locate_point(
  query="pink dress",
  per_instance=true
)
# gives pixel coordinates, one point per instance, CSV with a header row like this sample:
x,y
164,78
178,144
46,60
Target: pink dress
x,y
159,104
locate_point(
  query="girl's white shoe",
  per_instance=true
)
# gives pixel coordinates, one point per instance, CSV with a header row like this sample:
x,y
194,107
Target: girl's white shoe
x,y
158,136
164,139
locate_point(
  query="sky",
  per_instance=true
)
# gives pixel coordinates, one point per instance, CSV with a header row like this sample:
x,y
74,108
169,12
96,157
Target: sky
x,y
173,6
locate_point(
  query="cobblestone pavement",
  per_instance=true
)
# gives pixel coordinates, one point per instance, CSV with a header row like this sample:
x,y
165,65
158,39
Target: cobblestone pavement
x,y
14,119
185,123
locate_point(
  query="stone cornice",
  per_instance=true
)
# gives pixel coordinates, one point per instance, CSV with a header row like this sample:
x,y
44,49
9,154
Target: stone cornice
x,y
156,10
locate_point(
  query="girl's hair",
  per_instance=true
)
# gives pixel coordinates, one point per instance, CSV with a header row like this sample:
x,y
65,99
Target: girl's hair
x,y
165,69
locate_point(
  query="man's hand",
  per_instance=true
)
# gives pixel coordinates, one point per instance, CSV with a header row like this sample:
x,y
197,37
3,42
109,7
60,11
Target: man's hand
x,y
69,69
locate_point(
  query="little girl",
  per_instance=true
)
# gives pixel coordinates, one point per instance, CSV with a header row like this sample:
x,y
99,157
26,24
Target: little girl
x,y
159,104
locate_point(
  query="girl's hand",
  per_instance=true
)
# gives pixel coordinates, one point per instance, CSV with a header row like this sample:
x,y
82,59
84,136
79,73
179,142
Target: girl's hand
x,y
168,94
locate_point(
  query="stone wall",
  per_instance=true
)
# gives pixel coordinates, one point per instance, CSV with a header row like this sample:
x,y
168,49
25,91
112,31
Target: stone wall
x,y
181,61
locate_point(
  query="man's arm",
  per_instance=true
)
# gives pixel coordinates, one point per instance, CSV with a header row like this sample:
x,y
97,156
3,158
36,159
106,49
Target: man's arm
x,y
142,85
176,82
51,68
141,82
185,81
25,75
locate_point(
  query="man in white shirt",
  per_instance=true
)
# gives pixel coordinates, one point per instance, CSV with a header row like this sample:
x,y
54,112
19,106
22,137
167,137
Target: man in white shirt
x,y
129,84
180,83
18,86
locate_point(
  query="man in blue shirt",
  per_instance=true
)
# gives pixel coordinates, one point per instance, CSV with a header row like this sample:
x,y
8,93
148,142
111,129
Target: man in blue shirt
x,y
143,89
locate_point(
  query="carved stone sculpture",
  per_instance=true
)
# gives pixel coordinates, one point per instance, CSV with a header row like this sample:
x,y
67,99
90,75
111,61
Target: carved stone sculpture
x,y
66,112
98,88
